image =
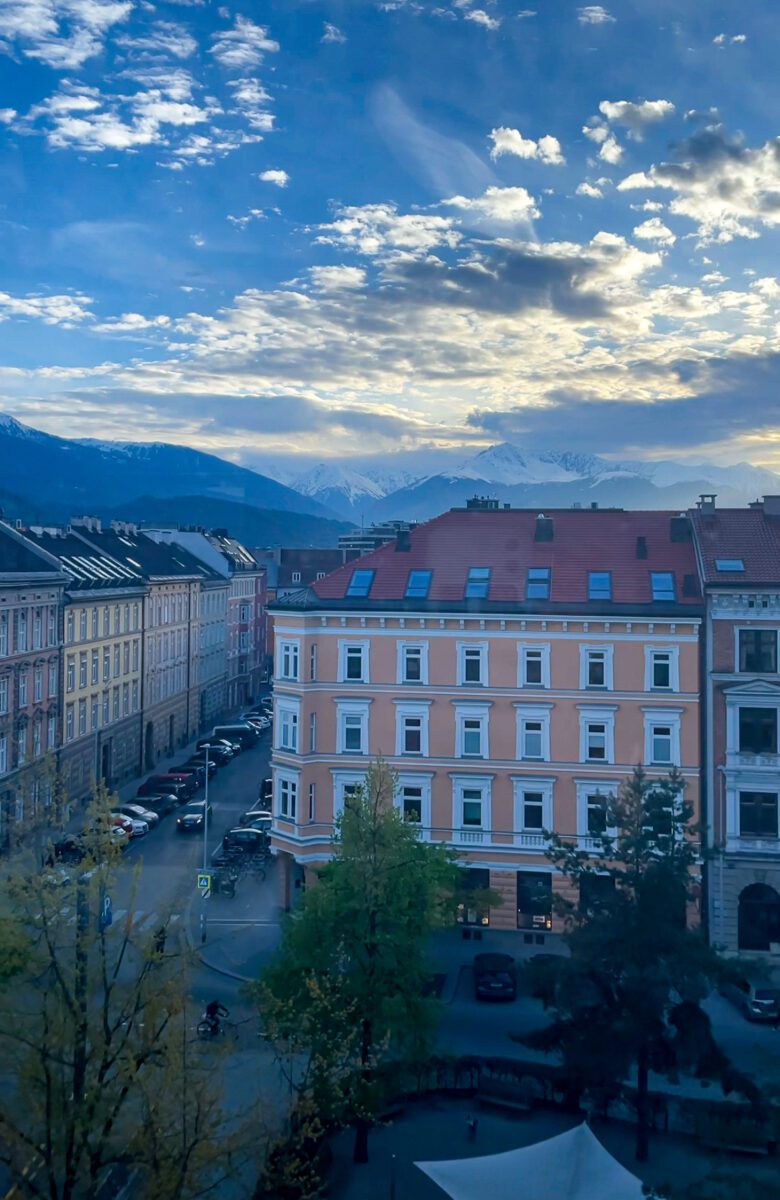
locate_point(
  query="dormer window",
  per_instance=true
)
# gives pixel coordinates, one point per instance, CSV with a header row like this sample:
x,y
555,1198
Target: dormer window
x,y
538,583
662,583
478,583
360,584
599,585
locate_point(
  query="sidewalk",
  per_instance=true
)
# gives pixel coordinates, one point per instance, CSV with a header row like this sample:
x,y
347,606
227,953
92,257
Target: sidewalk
x,y
241,933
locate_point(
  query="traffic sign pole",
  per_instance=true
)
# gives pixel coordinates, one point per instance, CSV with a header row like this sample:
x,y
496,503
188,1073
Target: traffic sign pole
x,y
205,853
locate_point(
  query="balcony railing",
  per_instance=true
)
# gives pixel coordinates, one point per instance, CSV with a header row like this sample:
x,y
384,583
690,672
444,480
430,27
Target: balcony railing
x,y
742,759
532,841
753,845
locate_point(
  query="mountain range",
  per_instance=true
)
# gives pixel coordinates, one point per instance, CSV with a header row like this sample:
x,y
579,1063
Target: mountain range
x,y
46,479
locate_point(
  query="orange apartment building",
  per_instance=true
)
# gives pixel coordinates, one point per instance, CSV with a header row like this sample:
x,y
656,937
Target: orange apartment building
x,y
511,667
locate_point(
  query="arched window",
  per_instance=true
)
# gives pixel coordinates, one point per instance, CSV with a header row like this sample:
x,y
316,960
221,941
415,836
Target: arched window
x,y
759,917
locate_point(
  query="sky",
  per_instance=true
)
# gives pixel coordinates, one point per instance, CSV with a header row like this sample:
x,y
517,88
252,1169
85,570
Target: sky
x,y
333,228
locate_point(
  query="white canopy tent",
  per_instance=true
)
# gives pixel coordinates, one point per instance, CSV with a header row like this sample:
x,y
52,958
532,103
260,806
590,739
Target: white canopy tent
x,y
572,1166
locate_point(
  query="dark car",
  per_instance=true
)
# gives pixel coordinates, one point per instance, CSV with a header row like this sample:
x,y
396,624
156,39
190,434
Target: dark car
x,y
195,776
157,785
191,817
69,849
199,760
260,818
265,791
494,977
219,752
161,804
758,1001
240,731
245,841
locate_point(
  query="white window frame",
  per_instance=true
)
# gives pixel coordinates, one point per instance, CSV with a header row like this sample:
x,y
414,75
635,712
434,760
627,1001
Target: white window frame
x,y
354,643
472,712
482,647
402,648
288,717
532,839
3,754
475,835
424,781
289,657
541,648
292,779
589,787
602,715
5,693
342,780
419,710
671,717
532,712
674,668
607,650
352,708
312,732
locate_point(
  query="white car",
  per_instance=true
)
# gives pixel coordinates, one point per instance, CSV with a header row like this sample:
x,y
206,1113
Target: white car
x,y
136,812
139,828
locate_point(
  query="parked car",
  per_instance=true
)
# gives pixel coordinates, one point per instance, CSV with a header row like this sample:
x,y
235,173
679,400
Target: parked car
x,y
195,776
758,1001
239,842
260,818
157,785
265,792
139,813
132,826
69,848
199,760
494,977
160,804
240,731
191,818
259,720
220,752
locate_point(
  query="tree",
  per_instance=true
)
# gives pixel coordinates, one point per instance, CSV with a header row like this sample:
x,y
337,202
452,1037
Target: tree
x,y
94,1038
345,994
629,996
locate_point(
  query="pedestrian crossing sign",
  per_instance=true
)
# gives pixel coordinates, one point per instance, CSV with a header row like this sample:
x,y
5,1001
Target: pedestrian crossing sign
x,y
204,881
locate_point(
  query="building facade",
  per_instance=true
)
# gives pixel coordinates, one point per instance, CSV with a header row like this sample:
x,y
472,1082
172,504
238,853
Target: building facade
x,y
31,598
100,732
739,562
511,668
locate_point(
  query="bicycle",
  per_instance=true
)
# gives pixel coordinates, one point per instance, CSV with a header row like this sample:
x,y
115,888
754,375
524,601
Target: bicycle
x,y
210,1031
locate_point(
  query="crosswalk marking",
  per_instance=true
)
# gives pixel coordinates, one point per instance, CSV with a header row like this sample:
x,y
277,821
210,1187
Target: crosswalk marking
x,y
140,920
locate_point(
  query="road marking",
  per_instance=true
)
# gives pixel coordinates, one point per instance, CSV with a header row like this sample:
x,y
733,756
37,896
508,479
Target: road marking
x,y
149,922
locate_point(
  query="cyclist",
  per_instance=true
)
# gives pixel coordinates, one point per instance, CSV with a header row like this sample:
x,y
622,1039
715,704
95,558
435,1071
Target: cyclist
x,y
214,1012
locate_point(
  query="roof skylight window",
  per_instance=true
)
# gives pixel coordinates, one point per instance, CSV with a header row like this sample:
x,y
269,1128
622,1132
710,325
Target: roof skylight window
x,y
478,583
538,583
418,585
662,583
729,564
360,583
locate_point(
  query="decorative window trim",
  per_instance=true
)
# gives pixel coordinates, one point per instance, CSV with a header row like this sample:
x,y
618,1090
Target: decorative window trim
x,y
672,717
472,712
674,668
287,706
527,783
294,646
585,788
738,629
364,645
532,712
401,649
289,776
424,781
351,708
522,648
608,650
604,715
411,708
483,832
342,779
461,648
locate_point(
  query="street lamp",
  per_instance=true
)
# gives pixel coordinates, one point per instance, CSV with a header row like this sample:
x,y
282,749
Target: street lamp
x,y
205,849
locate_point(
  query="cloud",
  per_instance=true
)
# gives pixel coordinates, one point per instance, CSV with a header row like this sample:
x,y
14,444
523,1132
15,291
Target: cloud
x,y
332,34
7,115
244,46
525,13
165,39
589,189
511,141
480,17
280,178
727,189
636,116
254,214
62,34
132,323
251,100
374,229
724,39
594,14
64,310
654,230
599,132
332,279
497,206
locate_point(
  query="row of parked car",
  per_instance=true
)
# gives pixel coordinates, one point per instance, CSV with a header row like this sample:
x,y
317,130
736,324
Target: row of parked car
x,y
177,787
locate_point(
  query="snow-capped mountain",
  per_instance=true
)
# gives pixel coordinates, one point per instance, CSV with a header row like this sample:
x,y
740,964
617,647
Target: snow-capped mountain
x,y
507,464
349,492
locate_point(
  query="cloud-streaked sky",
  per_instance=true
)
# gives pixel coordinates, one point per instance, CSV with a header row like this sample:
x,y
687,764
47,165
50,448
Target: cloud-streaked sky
x,y
362,226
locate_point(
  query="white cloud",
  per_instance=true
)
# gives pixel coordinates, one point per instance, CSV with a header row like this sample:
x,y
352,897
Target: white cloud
x,y
7,115
244,46
252,100
165,39
280,178
332,34
254,214
129,323
480,17
511,141
524,13
594,14
610,150
513,205
724,39
589,189
67,310
334,279
636,116
62,34
197,239
378,228
654,230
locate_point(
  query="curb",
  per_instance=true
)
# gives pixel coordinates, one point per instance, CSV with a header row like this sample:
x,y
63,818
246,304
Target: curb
x,y
198,951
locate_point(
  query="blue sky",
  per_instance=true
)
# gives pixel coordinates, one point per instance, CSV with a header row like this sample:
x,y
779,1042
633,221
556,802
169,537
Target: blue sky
x,y
312,229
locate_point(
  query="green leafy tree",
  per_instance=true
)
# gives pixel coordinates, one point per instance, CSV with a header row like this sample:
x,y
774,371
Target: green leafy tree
x,y
94,1041
628,999
344,996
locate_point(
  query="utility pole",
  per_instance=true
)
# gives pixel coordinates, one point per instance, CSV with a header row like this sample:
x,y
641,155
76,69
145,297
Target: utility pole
x,y
205,850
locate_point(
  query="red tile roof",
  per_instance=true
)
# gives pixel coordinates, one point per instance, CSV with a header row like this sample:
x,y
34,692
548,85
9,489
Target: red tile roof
x,y
584,540
745,533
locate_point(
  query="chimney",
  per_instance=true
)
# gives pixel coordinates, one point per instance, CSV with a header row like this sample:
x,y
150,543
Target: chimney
x,y
641,546
403,541
771,506
706,502
680,529
545,529
91,524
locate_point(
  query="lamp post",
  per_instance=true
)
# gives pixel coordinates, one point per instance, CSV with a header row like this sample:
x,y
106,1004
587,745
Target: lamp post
x,y
205,849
